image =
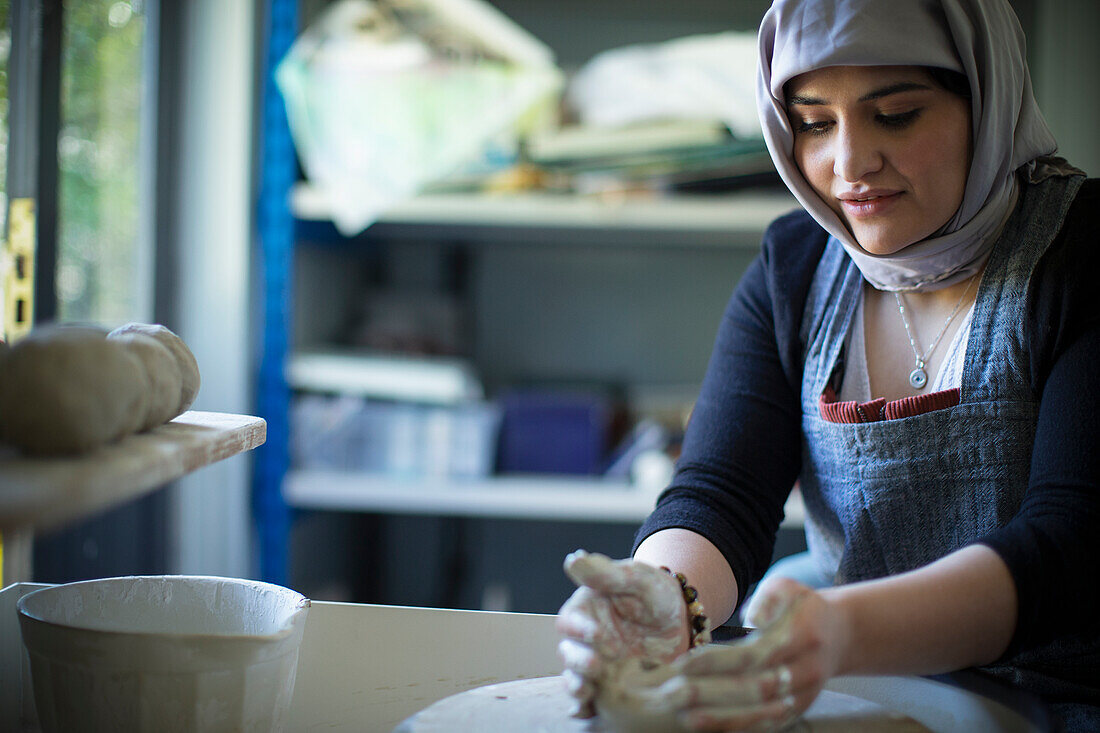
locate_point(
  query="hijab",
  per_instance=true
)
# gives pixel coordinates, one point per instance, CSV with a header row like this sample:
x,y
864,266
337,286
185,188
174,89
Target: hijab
x,y
980,39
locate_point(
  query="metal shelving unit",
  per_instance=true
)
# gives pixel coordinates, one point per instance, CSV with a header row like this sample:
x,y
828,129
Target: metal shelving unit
x,y
288,209
275,235
564,498
733,221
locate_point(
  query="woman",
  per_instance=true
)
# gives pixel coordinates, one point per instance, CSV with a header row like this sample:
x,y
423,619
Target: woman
x,y
917,349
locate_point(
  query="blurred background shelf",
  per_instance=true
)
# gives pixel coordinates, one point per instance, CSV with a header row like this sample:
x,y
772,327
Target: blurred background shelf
x,y
567,498
614,296
717,220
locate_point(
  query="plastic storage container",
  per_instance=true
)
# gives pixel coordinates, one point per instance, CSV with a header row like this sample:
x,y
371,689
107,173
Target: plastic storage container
x,y
553,432
397,439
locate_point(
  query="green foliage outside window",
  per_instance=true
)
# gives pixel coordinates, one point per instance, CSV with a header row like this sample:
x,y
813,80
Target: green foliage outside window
x,y
99,148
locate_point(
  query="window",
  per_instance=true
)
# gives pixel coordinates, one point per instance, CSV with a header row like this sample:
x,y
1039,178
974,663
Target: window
x,y
74,128
99,275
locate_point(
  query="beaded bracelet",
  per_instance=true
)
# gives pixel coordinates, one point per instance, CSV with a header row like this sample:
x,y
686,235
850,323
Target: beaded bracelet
x,y
699,633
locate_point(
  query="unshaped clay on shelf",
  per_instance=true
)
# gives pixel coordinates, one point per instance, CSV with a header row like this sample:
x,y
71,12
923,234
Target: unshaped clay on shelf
x,y
185,360
68,389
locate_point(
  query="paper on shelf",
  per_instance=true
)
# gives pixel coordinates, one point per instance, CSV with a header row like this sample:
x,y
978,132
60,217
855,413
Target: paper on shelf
x,y
386,97
706,77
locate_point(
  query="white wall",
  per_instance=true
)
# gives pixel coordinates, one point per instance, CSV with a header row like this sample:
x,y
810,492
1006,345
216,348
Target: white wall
x,y
1066,71
210,515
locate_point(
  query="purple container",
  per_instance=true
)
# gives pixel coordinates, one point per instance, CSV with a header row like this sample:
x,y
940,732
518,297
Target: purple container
x,y
552,432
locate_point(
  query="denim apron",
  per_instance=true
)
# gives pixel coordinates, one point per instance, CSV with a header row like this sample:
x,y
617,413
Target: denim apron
x,y
890,496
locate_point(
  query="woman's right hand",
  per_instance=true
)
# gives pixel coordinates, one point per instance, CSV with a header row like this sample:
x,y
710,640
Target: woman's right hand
x,y
621,609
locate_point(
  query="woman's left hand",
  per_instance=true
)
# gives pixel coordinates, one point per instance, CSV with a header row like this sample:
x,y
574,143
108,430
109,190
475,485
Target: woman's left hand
x,y
773,675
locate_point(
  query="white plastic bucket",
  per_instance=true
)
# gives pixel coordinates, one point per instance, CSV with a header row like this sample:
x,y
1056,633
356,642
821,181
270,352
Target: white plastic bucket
x,y
163,653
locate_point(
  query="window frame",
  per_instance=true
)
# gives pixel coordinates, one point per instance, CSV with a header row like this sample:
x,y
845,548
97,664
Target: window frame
x,y
134,537
34,86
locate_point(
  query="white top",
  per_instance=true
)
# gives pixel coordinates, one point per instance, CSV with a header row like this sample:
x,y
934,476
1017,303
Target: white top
x,y
857,382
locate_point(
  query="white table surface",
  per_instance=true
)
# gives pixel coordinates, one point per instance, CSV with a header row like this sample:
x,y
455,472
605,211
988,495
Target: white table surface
x,y
367,668
361,667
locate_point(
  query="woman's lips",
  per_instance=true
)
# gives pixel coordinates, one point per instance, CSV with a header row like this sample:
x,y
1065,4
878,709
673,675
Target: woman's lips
x,y
868,204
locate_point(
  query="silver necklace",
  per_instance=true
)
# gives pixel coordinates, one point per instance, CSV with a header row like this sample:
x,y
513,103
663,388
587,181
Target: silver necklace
x,y
918,378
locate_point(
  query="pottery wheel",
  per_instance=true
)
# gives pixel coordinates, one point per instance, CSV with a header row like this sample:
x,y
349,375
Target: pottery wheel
x,y
542,705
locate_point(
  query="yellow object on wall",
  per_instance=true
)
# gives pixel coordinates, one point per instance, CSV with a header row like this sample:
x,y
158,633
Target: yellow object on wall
x,y
18,270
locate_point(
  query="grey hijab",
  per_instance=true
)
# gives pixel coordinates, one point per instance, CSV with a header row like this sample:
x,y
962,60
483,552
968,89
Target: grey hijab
x,y
979,38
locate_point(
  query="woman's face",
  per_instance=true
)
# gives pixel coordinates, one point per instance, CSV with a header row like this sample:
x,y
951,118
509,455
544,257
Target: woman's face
x,y
885,147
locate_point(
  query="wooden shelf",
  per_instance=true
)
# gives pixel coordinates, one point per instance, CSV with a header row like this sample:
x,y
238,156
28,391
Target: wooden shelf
x,y
44,492
725,220
549,498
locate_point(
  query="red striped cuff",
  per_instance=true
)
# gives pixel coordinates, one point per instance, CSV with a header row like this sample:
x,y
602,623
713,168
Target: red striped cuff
x,y
880,409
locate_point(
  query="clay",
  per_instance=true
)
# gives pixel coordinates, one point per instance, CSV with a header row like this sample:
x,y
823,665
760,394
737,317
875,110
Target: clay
x,y
67,389
189,367
637,698
163,373
664,602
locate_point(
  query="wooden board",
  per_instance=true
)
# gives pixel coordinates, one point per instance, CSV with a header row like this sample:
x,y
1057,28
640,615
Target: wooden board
x,y
543,705
43,492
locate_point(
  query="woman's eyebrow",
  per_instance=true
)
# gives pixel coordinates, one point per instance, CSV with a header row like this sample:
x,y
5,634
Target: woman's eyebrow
x,y
902,86
804,101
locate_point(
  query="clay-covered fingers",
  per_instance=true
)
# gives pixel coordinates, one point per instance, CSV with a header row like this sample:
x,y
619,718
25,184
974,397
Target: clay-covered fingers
x,y
767,679
763,700
774,600
799,678
751,703
711,692
764,716
580,658
578,685
758,651
592,619
582,667
577,617
608,576
784,681
735,659
757,687
635,608
583,692
593,570
626,578
784,632
724,703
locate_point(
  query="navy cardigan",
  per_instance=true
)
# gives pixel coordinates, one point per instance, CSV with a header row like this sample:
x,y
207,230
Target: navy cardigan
x,y
732,491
